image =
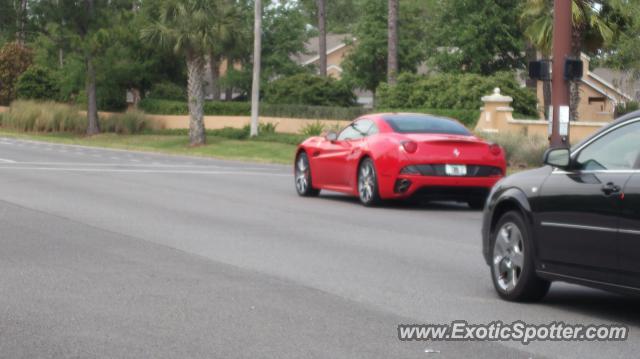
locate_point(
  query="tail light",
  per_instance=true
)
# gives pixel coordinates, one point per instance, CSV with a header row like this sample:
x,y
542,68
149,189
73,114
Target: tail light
x,y
495,149
410,146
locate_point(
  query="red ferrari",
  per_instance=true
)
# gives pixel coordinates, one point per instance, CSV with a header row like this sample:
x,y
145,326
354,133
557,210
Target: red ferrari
x,y
398,156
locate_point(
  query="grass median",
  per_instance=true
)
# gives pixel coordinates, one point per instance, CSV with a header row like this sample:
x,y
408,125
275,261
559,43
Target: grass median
x,y
255,150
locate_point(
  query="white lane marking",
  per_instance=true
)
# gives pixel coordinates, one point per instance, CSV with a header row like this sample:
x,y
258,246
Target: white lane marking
x,y
2,160
115,170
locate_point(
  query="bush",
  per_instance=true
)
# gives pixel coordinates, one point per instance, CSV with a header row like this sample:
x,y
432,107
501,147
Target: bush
x,y
32,116
522,150
14,60
308,89
217,108
167,91
626,107
126,123
37,83
454,91
44,117
312,129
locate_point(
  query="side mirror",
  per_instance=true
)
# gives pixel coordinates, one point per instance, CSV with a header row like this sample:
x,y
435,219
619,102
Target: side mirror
x,y
558,157
331,136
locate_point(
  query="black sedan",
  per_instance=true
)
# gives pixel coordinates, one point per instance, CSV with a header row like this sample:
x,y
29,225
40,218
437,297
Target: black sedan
x,y
575,220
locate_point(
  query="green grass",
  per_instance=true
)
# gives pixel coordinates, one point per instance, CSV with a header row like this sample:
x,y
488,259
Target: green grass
x,y
217,147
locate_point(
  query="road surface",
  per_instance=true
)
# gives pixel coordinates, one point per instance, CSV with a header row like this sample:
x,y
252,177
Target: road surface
x,y
108,253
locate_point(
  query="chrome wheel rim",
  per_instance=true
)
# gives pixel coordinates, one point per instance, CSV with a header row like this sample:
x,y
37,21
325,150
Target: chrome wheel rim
x,y
366,182
302,175
508,257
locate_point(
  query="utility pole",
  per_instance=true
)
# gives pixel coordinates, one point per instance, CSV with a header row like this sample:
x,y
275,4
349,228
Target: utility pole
x,y
257,49
562,29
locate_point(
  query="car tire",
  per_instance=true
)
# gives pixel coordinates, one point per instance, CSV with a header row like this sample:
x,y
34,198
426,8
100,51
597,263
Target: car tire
x,y
476,203
512,266
304,185
368,183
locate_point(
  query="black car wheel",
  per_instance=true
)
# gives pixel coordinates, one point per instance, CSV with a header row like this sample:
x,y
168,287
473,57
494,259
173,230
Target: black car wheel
x,y
368,183
512,266
304,186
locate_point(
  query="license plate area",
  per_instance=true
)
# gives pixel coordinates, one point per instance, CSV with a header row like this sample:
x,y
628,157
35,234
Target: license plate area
x,y
455,170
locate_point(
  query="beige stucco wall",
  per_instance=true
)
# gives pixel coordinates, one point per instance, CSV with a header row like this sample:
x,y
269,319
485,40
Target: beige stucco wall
x,y
4,109
497,117
285,125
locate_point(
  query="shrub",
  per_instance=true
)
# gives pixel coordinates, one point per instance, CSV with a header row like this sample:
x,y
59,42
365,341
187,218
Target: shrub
x,y
44,117
129,122
217,108
312,129
308,89
626,107
167,91
454,91
522,150
14,60
37,83
32,116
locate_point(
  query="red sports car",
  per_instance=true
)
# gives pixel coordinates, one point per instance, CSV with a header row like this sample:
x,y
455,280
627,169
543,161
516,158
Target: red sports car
x,y
400,155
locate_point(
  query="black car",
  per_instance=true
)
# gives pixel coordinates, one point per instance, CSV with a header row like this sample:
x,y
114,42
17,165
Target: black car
x,y
575,220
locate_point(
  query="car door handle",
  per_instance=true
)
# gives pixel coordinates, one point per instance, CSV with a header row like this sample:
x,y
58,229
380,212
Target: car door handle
x,y
611,188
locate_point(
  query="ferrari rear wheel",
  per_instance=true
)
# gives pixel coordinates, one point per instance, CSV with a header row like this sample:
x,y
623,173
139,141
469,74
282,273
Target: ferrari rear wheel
x,y
304,185
368,183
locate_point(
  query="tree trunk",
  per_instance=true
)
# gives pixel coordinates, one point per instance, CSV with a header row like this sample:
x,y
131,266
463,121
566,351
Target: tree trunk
x,y
60,57
322,38
93,127
21,19
214,65
195,73
228,93
574,87
257,51
392,58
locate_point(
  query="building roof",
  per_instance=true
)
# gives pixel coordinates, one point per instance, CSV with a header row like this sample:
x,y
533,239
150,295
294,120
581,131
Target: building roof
x,y
624,80
334,43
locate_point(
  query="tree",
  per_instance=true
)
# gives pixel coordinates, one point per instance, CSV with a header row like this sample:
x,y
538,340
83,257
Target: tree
x,y
392,62
15,59
478,36
322,37
185,26
340,15
366,65
592,30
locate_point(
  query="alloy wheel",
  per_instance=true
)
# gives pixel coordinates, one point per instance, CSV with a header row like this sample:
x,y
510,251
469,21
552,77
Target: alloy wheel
x,y
508,256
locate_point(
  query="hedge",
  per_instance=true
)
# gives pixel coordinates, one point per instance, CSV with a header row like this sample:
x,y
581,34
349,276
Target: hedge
x,y
217,108
454,91
309,89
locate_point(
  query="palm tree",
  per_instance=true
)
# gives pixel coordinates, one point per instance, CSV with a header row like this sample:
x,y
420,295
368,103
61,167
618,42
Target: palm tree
x,y
392,58
185,26
590,31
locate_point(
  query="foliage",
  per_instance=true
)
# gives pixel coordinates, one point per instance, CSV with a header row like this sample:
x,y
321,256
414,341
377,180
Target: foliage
x,y
454,91
366,65
167,91
14,60
307,89
626,107
522,149
625,52
32,116
312,129
479,36
216,108
37,83
340,14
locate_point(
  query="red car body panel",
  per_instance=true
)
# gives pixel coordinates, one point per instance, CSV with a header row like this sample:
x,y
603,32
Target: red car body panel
x,y
334,164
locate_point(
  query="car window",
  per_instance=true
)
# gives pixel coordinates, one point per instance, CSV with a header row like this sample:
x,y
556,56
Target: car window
x,y
373,130
425,124
617,150
356,130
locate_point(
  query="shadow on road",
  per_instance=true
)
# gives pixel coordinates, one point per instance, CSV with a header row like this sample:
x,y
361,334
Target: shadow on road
x,y
404,205
607,306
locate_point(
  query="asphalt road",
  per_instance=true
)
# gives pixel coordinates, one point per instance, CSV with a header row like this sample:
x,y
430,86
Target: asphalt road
x,y
115,254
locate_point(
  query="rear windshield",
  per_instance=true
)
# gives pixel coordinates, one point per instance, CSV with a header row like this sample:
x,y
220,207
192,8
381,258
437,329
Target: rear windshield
x,y
425,124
